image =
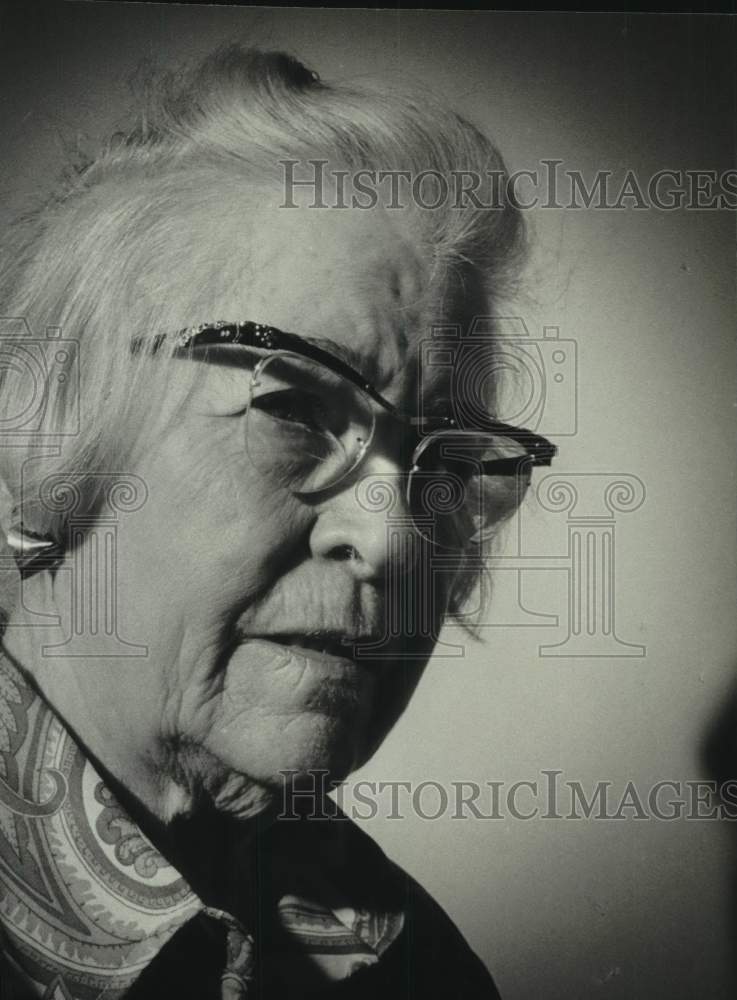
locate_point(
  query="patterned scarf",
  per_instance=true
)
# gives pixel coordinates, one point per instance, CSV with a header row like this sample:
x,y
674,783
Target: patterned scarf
x,y
87,902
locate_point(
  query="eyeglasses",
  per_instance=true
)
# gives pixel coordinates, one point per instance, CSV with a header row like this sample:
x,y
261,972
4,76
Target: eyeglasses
x,y
311,419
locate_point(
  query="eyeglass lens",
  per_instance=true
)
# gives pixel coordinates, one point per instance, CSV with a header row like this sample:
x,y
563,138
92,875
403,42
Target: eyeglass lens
x,y
307,428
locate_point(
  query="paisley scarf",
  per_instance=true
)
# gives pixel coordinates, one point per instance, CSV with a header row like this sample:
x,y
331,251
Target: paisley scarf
x,y
87,903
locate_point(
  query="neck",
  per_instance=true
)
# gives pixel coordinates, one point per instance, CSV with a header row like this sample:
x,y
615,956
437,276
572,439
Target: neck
x,y
198,815
211,849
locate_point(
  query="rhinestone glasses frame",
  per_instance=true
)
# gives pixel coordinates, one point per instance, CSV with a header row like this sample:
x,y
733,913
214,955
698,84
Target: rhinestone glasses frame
x,y
223,333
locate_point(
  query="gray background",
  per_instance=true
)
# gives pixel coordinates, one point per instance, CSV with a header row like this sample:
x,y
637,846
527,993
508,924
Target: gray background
x,y
558,909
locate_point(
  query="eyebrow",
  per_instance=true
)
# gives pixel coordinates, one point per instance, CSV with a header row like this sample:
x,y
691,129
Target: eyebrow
x,y
222,333
188,336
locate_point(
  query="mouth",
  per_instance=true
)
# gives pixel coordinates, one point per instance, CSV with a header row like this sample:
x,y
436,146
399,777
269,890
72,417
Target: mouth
x,y
327,643
318,644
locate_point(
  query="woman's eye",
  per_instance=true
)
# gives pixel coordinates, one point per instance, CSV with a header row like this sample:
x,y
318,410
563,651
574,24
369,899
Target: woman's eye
x,y
293,407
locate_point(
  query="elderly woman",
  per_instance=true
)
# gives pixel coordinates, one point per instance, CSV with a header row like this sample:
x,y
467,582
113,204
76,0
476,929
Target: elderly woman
x,y
230,473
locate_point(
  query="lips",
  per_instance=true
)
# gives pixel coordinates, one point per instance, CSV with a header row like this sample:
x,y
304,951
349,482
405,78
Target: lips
x,y
327,643
317,645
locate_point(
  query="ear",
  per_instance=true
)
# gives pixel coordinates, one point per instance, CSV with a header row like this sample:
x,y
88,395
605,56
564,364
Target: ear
x,y
9,572
28,550
6,505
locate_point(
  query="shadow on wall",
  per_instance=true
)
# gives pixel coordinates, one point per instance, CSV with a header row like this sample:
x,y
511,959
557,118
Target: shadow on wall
x,y
719,755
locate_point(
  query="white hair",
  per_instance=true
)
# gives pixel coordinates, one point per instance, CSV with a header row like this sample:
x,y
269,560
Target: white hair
x,y
92,259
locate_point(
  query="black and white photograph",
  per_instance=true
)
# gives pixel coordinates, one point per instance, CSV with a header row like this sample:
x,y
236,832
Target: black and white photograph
x,y
368,535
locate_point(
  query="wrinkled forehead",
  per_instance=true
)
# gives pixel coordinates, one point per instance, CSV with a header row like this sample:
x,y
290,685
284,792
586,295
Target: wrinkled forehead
x,y
357,279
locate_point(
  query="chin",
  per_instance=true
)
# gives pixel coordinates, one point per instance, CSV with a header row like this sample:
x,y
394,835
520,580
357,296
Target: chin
x,y
291,714
319,744
309,743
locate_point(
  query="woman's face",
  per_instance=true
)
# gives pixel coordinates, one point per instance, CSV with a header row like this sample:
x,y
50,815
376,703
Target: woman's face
x,y
223,572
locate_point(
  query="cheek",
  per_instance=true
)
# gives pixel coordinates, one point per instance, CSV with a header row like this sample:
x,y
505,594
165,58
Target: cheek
x,y
211,535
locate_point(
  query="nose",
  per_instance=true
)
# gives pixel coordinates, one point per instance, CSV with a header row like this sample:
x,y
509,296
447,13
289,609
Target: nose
x,y
367,525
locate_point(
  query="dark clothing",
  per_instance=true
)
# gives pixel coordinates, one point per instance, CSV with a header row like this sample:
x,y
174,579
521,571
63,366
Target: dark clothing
x,y
90,909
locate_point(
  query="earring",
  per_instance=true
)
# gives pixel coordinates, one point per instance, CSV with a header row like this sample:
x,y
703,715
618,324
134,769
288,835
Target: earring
x,y
32,552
